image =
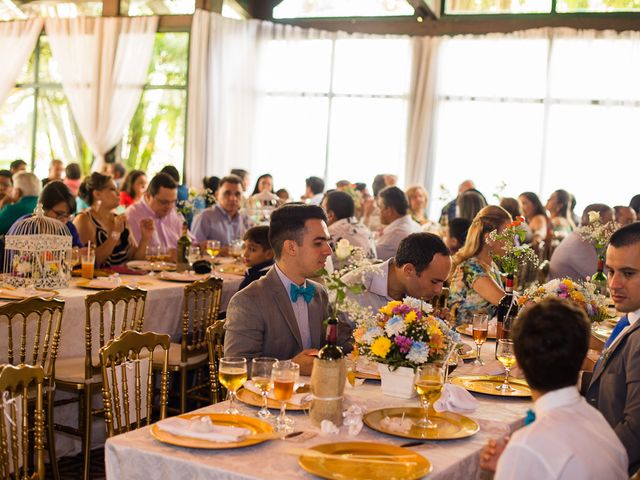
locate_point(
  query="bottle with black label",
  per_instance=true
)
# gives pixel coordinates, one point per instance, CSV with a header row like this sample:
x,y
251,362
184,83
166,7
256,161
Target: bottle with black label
x,y
184,242
600,279
507,311
331,350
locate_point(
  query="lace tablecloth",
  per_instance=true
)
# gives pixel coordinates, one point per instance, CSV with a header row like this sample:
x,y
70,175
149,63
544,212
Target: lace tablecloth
x,y
137,455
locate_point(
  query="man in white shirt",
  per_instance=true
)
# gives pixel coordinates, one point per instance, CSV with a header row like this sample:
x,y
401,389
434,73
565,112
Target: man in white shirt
x,y
314,192
340,209
565,438
419,269
614,386
394,207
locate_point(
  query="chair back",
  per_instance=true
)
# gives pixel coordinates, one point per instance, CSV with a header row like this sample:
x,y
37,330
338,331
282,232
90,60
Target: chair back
x,y
108,314
128,379
30,333
17,388
201,309
215,342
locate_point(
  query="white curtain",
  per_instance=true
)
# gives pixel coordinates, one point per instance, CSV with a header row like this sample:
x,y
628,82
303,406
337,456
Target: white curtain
x,y
103,64
17,41
421,109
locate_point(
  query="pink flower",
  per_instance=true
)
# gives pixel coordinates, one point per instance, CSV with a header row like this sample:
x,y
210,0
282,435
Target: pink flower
x,y
403,342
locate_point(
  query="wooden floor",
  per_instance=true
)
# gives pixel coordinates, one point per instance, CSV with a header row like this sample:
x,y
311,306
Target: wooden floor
x,y
71,467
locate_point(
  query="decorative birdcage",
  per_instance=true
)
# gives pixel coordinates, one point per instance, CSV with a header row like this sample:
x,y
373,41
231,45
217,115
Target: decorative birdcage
x,y
37,253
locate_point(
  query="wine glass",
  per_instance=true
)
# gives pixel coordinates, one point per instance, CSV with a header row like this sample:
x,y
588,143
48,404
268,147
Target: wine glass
x,y
428,383
507,358
261,368
232,374
213,248
193,254
285,375
480,331
151,256
74,257
163,255
235,249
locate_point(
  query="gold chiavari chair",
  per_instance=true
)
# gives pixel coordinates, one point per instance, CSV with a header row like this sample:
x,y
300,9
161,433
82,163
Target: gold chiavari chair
x,y
215,342
128,380
30,334
17,389
200,310
107,315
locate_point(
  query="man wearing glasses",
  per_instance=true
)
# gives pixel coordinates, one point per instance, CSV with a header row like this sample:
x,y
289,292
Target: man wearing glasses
x,y
159,205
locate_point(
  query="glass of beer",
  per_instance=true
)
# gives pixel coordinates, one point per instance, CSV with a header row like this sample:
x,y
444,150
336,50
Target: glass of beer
x,y
285,375
87,264
232,374
507,358
480,331
261,368
213,248
428,383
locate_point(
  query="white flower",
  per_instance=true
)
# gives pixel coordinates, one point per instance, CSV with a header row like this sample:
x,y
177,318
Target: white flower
x,y
343,249
594,216
416,303
395,326
419,353
371,334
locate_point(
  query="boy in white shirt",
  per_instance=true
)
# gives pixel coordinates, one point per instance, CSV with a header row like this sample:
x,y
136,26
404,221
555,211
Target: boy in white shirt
x,y
566,438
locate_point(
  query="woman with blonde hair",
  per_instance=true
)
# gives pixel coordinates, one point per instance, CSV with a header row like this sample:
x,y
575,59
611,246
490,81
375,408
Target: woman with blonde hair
x,y
418,200
475,282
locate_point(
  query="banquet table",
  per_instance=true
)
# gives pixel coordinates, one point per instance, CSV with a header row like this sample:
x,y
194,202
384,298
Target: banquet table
x,y
137,454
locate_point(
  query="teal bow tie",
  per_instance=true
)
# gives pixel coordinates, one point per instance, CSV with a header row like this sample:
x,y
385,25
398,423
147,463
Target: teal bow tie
x,y
530,418
307,292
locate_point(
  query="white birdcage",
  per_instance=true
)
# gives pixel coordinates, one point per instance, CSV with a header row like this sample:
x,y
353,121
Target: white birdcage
x,y
37,253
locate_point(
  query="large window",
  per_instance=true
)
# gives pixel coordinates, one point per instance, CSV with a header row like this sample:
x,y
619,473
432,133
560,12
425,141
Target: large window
x,y
539,115
474,7
336,109
342,8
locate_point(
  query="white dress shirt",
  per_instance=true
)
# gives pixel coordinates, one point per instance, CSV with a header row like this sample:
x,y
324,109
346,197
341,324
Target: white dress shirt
x,y
300,310
569,440
374,279
356,232
393,234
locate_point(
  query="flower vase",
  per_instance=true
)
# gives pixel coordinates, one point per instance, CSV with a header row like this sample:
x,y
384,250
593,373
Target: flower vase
x,y
397,383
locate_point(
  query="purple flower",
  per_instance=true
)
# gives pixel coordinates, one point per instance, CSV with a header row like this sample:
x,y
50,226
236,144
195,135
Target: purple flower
x,y
403,342
401,309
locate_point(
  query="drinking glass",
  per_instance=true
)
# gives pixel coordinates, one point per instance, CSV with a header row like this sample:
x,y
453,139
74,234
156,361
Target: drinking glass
x,y
285,375
151,256
235,249
428,383
88,263
74,257
480,331
350,363
261,368
213,248
163,255
232,374
193,254
507,358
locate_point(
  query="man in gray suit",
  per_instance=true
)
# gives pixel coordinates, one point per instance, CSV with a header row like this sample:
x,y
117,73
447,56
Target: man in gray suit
x,y
281,315
614,388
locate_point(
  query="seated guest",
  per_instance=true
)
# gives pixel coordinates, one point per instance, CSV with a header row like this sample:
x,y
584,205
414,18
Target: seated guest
x,y
159,205
536,217
457,234
370,208
559,205
340,209
624,215
263,192
17,166
512,206
397,223
257,255
133,188
281,315
119,172
6,183
314,192
419,269
183,190
223,221
635,204
243,175
469,203
72,178
106,230
56,169
565,438
24,195
418,199
475,282
576,257
614,387
283,195
451,210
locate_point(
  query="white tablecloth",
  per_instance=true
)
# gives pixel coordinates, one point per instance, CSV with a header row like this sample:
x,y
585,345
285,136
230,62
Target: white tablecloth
x,y
136,454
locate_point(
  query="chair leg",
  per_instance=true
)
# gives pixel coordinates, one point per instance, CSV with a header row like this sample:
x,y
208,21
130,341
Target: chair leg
x,y
86,427
183,390
51,442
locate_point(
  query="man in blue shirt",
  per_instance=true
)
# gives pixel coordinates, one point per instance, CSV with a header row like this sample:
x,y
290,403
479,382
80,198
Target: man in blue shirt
x,y
26,188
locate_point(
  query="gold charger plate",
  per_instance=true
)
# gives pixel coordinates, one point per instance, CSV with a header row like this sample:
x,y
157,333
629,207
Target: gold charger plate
x,y
251,398
367,375
462,330
233,269
256,426
11,293
411,466
487,384
192,278
451,425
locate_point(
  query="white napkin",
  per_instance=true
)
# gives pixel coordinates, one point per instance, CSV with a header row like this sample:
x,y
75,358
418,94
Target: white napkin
x,y
297,399
112,281
364,365
490,367
191,276
203,429
455,399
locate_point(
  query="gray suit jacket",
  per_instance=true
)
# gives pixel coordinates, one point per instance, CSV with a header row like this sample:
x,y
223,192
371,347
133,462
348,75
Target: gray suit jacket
x,y
614,389
261,323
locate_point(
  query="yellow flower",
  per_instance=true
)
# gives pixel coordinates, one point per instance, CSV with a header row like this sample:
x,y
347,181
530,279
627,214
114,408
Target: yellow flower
x,y
568,283
388,308
577,296
381,346
410,317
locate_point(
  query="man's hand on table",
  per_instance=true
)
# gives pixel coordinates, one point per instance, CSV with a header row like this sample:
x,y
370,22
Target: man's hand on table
x,y
305,360
491,453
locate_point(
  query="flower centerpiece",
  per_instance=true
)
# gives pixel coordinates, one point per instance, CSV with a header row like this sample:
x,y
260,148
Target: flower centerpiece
x,y
598,233
583,294
515,251
401,337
